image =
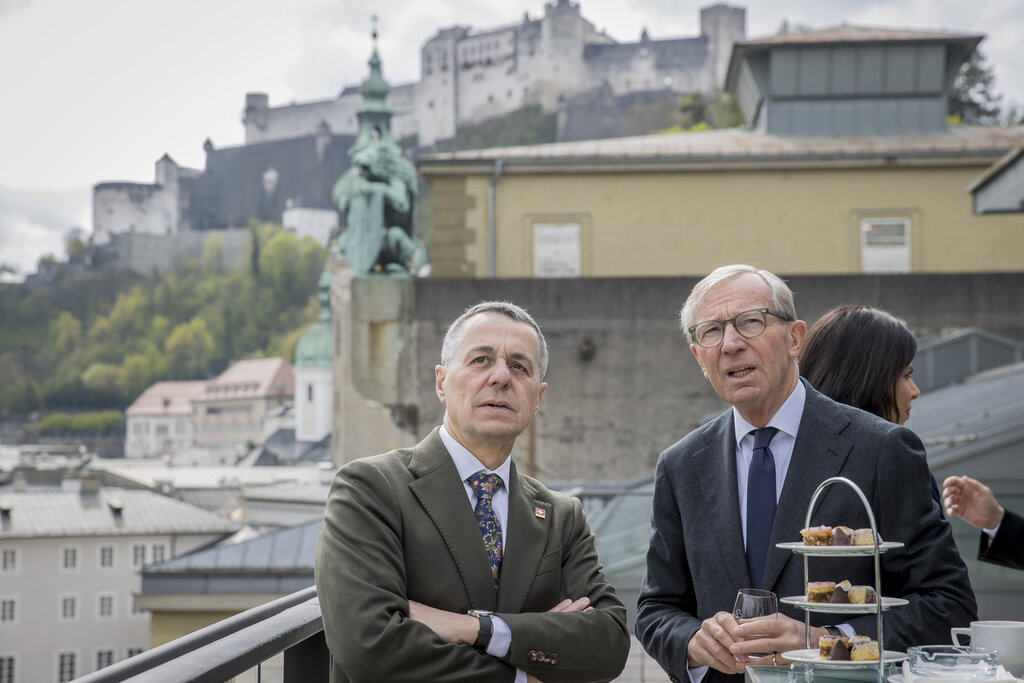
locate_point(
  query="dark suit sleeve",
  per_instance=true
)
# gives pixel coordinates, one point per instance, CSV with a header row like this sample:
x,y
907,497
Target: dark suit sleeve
x,y
1007,548
361,583
667,607
928,571
587,646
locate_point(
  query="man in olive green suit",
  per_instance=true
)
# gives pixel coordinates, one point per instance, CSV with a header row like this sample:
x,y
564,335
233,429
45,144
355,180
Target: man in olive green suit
x,y
423,577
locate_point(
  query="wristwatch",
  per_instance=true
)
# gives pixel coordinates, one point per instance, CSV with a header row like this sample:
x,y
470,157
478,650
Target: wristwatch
x,y
834,631
483,639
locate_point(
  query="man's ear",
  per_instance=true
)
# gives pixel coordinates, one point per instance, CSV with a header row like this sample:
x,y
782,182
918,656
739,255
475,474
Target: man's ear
x,y
693,350
440,372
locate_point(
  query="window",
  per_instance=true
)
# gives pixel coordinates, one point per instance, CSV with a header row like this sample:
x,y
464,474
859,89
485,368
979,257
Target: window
x,y
104,658
9,560
107,556
309,392
158,553
105,607
65,666
7,613
70,558
885,245
132,651
68,607
138,555
7,669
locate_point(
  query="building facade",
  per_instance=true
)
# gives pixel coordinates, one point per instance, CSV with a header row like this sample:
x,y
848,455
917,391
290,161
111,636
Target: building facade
x,y
230,412
159,422
69,573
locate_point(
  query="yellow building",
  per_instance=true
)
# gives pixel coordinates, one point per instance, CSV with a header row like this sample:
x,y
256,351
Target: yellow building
x,y
847,167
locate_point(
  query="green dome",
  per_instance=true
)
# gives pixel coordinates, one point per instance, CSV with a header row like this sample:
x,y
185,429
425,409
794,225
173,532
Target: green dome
x,y
316,345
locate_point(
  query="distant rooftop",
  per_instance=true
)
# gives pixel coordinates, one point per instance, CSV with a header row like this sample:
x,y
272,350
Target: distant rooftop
x,y
255,377
167,398
858,34
740,145
107,512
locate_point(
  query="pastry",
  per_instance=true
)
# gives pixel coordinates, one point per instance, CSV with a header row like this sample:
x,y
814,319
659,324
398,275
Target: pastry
x,y
842,535
863,649
863,537
820,591
827,643
840,651
840,596
817,535
862,595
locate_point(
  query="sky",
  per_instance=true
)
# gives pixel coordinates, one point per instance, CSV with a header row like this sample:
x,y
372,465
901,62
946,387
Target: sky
x,y
98,90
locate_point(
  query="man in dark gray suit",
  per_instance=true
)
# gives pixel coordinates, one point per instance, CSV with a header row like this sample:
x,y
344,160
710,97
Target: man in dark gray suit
x,y
429,568
715,530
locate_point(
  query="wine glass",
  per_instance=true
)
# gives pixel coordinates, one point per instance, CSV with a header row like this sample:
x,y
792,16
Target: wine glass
x,y
754,604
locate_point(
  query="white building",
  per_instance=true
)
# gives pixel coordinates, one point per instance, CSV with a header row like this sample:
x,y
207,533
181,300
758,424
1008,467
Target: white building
x,y
159,422
69,572
314,374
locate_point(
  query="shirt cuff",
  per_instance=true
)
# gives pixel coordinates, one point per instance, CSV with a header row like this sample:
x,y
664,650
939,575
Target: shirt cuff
x,y
501,638
847,630
697,673
991,533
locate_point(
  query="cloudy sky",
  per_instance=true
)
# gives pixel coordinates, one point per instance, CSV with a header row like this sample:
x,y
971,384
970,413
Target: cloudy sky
x,y
98,90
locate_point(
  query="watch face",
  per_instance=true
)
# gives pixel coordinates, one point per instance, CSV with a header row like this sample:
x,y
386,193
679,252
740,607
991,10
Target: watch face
x,y
480,613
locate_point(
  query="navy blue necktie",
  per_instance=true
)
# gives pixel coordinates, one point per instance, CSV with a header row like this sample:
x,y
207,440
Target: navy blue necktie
x,y
760,503
484,485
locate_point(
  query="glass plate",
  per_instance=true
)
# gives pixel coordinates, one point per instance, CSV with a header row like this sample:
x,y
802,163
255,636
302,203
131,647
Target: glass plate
x,y
811,657
869,608
799,548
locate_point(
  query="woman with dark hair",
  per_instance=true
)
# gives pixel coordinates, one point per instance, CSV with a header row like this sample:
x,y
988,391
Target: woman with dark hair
x,y
864,357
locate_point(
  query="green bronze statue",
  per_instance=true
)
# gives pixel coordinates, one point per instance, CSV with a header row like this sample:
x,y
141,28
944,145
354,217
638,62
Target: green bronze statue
x,y
377,194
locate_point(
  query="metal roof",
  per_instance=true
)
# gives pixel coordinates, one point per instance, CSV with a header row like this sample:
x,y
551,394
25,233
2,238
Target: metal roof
x,y
858,34
107,512
738,145
984,409
290,549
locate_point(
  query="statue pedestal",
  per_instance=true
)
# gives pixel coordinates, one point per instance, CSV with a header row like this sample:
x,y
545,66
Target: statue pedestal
x,y
375,374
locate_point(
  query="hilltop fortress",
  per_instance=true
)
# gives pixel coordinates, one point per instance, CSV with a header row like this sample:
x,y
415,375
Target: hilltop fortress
x,y
293,154
468,76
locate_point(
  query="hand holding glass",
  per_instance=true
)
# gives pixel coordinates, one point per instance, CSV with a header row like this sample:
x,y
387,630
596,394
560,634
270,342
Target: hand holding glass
x,y
754,603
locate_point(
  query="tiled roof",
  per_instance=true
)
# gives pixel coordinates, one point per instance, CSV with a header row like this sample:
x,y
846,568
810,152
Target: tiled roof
x,y
738,145
256,377
166,398
108,512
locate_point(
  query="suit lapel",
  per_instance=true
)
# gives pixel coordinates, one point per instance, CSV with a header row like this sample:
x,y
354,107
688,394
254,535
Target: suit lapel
x,y
819,453
529,525
715,465
439,489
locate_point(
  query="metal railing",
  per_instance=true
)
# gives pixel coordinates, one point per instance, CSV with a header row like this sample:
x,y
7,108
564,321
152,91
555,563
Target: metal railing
x,y
217,653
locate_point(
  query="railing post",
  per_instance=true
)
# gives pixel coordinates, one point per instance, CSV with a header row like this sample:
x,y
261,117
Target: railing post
x,y
308,661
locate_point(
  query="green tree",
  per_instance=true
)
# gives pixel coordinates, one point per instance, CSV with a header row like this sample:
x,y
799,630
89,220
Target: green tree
x,y
66,333
973,99
213,255
189,349
692,110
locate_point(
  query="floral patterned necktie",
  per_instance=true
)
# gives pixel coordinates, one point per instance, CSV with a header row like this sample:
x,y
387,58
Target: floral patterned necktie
x,y
484,485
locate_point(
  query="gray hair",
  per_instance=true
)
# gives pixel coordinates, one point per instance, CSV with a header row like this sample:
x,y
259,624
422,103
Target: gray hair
x,y
782,295
453,337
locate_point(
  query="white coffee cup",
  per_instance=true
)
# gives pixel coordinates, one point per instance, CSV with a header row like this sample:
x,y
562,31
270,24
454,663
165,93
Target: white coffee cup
x,y
1006,637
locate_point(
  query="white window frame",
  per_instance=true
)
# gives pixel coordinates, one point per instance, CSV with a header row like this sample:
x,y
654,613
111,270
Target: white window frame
x,y
9,560
104,653
158,553
113,558
881,257
136,548
73,673
8,667
74,552
62,602
11,600
100,599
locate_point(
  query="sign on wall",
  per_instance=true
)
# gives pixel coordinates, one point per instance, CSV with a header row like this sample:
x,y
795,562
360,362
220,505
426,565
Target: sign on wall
x,y
556,250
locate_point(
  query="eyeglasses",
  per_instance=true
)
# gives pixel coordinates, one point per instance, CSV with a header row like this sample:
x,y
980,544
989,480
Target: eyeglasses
x,y
748,324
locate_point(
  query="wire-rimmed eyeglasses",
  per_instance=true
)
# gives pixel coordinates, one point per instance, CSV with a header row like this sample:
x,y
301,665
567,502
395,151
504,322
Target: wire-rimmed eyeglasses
x,y
748,324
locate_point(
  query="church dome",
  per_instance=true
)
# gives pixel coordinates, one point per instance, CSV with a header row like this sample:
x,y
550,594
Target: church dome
x,y
316,345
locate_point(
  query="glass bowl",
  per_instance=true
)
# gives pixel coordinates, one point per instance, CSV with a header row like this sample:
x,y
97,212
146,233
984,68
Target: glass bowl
x,y
952,662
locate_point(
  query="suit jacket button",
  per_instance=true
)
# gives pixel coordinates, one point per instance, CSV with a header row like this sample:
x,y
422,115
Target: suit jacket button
x,y
554,658
533,655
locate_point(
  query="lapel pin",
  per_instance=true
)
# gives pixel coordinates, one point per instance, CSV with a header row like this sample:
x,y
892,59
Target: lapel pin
x,y
540,513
